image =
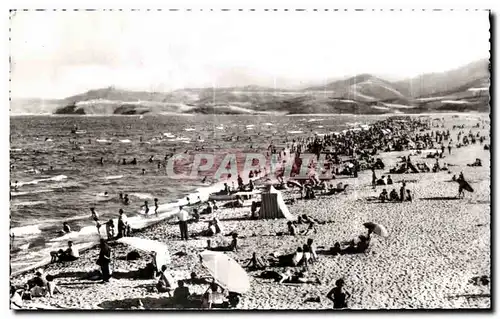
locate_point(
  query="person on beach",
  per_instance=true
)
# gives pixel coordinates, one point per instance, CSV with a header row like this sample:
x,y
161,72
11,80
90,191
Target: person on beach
x,y
383,196
183,217
233,246
66,228
181,294
16,299
146,207
94,215
338,296
51,286
165,283
292,229
255,263
104,260
312,226
312,249
156,206
196,216
110,229
335,250
402,191
240,183
393,196
122,224
408,195
70,254
213,296
389,180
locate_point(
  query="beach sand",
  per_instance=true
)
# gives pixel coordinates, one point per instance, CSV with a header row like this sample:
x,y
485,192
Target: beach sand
x,y
436,244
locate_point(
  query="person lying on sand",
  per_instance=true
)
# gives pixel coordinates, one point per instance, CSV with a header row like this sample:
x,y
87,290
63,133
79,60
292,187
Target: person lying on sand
x,y
233,246
165,283
298,277
255,263
195,280
291,260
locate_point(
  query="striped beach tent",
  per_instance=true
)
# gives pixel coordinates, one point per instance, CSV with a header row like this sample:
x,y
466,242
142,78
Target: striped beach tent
x,y
273,205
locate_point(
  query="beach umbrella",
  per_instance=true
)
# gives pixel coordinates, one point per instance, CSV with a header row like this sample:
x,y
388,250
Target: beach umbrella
x,y
148,245
226,271
377,229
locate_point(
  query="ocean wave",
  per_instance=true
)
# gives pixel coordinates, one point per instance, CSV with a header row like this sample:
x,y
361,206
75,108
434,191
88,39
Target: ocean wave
x,y
125,141
26,230
38,191
33,203
113,177
57,178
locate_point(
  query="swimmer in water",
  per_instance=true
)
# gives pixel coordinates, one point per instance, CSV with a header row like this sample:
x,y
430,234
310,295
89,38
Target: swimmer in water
x,y
16,185
121,196
156,206
94,215
146,207
126,201
66,228
73,159
151,159
143,171
189,201
101,161
124,162
159,165
204,179
106,194
134,161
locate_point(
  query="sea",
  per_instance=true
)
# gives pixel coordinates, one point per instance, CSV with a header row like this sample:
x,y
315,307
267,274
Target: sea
x,y
59,175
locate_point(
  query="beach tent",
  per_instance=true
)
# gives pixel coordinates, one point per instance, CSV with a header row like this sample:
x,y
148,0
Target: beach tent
x,y
273,205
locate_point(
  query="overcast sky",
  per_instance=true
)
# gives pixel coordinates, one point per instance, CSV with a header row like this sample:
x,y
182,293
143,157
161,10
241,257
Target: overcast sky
x,y
57,54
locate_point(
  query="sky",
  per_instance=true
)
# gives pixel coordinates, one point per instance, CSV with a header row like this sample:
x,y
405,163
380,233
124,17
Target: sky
x,y
55,54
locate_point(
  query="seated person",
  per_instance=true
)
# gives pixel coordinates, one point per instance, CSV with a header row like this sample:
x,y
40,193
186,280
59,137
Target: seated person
x,y
165,282
51,286
383,196
233,246
393,196
389,180
213,297
408,195
16,300
363,244
207,210
70,254
312,249
292,229
181,294
255,263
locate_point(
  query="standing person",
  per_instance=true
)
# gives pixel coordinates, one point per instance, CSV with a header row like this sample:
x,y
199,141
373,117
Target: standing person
x,y
338,296
66,228
374,177
122,224
146,207
105,260
94,215
402,192
156,206
110,229
449,148
183,216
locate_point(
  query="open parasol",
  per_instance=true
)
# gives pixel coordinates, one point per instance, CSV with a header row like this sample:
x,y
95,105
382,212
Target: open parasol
x,y
377,229
226,271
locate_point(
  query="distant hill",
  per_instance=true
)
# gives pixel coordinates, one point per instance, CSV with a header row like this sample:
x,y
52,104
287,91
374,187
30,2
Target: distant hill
x,y
461,89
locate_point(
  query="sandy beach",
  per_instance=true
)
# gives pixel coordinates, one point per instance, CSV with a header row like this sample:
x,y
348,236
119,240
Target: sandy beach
x,y
436,244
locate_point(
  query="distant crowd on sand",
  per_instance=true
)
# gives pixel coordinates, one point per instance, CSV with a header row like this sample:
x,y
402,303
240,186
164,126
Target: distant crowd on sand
x,y
359,146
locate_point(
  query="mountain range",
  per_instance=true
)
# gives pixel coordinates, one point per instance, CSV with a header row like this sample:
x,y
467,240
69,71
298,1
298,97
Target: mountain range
x,y
462,89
